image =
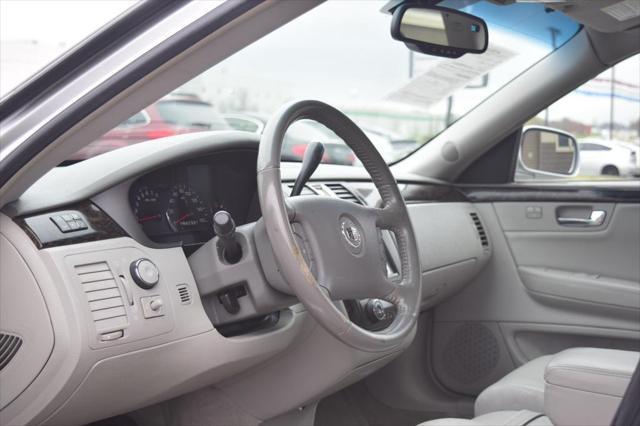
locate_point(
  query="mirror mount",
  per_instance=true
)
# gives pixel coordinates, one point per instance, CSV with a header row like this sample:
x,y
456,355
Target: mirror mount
x,y
437,31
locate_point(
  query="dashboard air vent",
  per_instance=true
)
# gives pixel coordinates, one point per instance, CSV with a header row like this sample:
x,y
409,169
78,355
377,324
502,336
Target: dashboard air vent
x,y
305,190
342,192
484,240
104,297
9,345
184,294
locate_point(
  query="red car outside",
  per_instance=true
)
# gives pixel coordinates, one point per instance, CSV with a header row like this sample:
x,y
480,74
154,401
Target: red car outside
x,y
169,116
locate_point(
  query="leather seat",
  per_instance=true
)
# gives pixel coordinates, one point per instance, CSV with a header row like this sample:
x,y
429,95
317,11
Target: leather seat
x,y
498,418
522,389
577,386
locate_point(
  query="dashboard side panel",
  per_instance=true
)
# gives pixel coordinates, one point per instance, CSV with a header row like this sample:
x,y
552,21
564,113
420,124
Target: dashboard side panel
x,y
24,316
450,246
187,355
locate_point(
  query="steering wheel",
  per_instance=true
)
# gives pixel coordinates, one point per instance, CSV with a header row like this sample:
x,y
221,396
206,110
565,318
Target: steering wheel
x,y
330,249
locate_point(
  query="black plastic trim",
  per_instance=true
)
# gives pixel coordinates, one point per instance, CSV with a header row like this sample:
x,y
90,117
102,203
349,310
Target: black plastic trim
x,y
519,192
132,73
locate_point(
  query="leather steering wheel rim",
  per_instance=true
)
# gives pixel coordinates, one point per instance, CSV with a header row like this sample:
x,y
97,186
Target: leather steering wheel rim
x,y
404,291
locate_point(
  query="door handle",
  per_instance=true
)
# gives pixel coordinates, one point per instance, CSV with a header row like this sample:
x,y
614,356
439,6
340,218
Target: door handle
x,y
596,218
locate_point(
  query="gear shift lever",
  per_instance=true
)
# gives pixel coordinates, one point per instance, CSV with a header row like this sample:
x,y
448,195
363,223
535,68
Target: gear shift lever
x,y
225,229
312,157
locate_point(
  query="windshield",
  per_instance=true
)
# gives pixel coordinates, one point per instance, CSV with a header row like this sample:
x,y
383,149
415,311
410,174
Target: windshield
x,y
190,114
341,53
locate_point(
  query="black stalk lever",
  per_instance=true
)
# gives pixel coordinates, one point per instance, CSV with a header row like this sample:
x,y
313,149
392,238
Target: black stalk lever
x,y
225,229
312,157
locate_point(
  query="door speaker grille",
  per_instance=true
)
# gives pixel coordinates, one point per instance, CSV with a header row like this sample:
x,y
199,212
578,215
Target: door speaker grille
x,y
9,345
471,353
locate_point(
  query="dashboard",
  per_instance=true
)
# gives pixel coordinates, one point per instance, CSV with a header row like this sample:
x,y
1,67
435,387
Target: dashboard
x,y
124,206
176,203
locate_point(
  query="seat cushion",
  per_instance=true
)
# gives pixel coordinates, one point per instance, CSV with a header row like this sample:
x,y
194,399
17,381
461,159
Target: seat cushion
x,y
498,418
522,389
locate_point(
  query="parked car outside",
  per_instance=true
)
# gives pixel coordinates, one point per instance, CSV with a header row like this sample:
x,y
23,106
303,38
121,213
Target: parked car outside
x,y
392,147
297,138
608,157
172,115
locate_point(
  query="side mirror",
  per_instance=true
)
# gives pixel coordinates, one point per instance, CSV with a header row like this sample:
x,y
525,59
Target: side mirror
x,y
548,152
439,31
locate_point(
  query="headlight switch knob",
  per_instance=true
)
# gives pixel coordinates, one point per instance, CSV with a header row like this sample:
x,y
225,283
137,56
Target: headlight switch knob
x,y
144,273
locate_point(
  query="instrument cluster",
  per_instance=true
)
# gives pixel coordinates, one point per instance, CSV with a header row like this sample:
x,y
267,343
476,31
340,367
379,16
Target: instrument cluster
x,y
177,203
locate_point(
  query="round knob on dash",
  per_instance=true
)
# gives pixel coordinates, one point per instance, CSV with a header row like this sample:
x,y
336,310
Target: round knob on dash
x,y
144,273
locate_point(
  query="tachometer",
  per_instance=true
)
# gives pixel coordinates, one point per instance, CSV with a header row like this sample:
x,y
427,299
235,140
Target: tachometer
x,y
146,206
186,210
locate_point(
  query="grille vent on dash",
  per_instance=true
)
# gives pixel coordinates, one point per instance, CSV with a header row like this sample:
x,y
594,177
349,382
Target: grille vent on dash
x,y
104,297
484,240
305,190
9,345
183,293
342,192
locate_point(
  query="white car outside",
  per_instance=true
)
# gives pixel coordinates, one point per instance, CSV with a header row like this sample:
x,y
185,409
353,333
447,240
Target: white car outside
x,y
608,157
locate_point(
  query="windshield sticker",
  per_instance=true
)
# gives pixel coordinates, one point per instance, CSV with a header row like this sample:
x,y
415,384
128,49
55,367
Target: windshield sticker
x,y
443,77
624,10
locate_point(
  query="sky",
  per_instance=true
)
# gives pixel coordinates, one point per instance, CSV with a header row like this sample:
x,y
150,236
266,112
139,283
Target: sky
x,y
35,32
355,61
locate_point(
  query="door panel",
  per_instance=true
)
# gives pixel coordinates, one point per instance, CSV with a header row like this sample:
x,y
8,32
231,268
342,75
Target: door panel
x,y
547,287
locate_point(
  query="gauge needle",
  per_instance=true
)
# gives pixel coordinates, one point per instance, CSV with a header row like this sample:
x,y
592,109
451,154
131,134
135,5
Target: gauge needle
x,y
148,218
183,217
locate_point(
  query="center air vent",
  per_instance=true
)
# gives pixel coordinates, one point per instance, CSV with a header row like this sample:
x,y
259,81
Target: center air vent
x,y
104,297
305,190
484,240
342,192
9,345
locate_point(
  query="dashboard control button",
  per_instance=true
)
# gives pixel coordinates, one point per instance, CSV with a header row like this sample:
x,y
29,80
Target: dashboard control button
x,y
152,306
114,335
144,273
61,224
155,304
69,222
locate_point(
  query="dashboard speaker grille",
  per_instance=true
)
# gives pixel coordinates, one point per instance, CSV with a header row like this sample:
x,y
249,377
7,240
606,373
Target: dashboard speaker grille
x,y
184,294
104,297
484,240
9,345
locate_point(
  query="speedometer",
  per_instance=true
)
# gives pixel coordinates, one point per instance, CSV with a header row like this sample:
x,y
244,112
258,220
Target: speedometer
x,y
186,210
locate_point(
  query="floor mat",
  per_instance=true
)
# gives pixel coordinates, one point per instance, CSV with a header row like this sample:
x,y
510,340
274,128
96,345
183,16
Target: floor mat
x,y
355,406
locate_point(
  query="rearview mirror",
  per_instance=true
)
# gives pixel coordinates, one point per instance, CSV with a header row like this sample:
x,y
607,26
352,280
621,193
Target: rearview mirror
x,y
439,31
548,152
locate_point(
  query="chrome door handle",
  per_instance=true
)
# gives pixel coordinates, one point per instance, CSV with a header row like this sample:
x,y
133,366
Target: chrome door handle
x,y
595,219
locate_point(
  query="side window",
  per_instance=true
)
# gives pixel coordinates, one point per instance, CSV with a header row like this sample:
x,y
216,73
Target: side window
x,y
603,115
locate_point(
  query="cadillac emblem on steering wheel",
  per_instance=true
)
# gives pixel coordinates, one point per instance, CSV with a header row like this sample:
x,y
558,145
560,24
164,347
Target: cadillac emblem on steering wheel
x,y
351,233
